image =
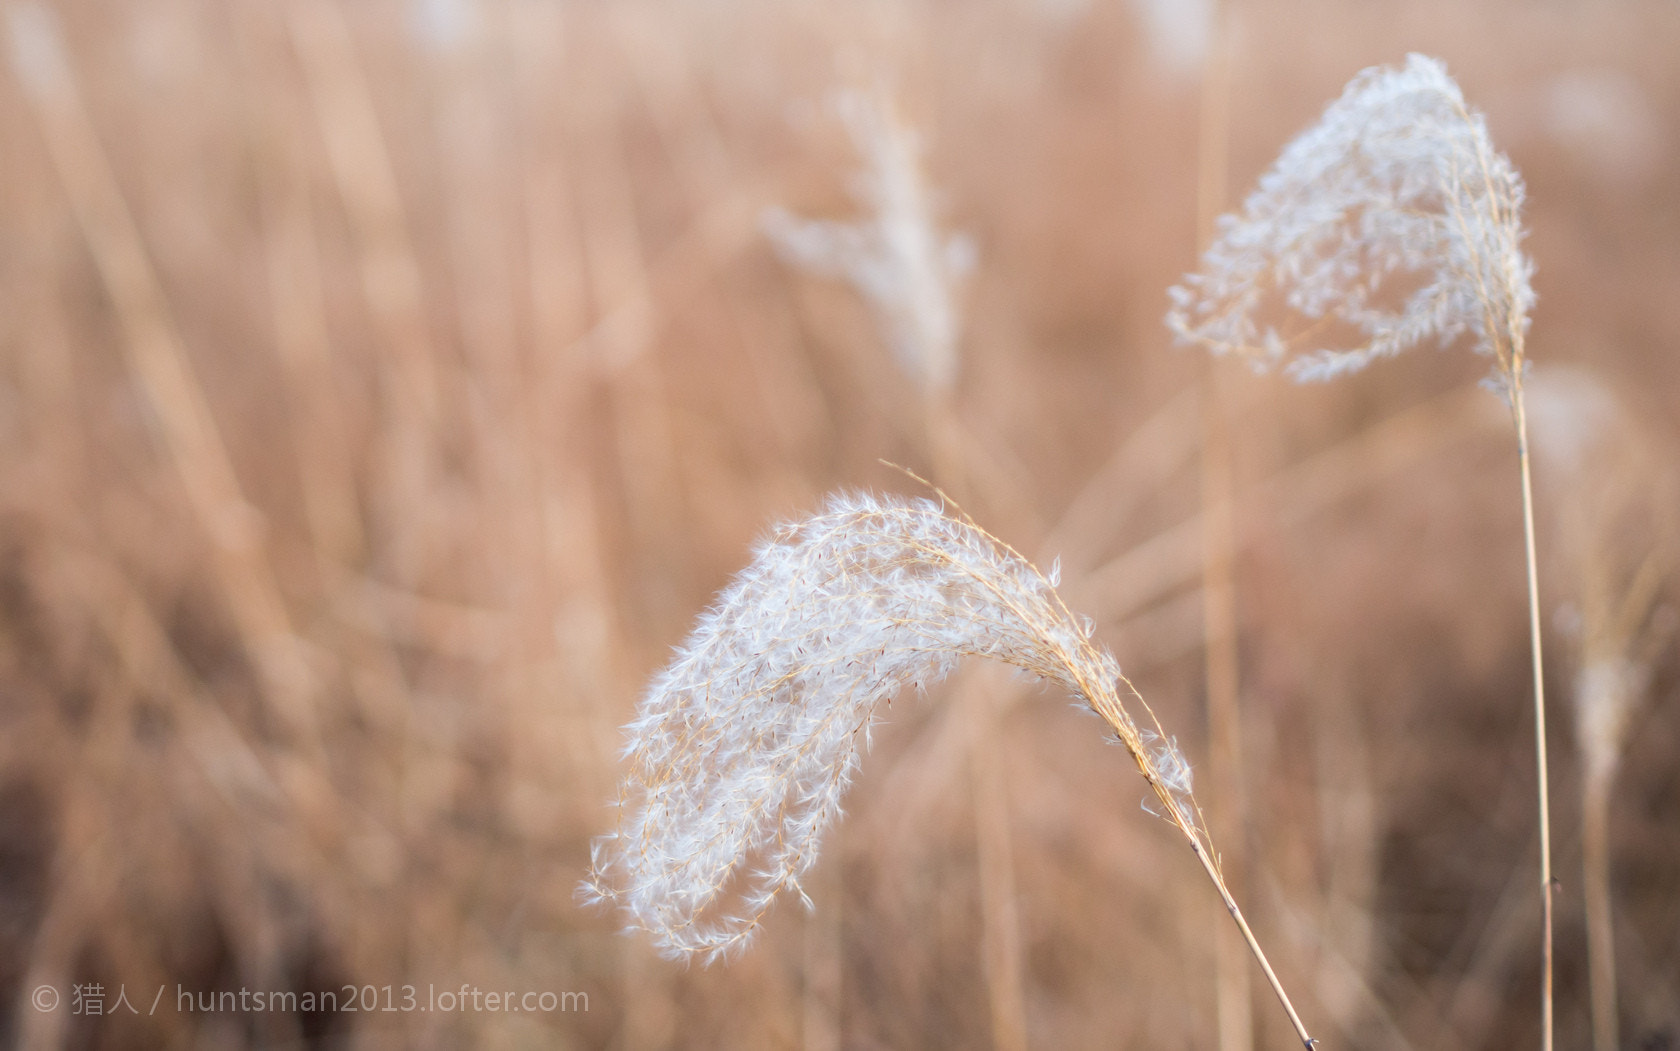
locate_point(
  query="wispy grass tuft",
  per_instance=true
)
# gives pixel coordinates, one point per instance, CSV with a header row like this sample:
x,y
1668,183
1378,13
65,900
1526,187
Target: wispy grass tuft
x,y
1398,178
744,744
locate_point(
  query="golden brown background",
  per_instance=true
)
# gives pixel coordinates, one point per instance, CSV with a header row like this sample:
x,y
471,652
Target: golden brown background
x,y
384,387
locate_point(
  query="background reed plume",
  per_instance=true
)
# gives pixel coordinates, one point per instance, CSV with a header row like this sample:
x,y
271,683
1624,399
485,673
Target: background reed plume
x,y
896,256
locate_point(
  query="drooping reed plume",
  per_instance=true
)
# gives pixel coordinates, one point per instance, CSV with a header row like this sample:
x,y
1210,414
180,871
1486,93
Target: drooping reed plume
x,y
1396,193
744,744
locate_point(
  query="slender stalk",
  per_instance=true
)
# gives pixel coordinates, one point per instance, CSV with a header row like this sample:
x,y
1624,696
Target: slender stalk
x,y
1601,945
1231,906
995,865
1233,1000
1541,772
1195,830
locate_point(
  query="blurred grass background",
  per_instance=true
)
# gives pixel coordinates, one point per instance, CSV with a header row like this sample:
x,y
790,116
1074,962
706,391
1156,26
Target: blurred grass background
x,y
385,386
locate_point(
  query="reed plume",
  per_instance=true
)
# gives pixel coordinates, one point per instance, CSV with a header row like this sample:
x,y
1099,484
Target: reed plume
x,y
744,744
1396,193
895,255
1397,180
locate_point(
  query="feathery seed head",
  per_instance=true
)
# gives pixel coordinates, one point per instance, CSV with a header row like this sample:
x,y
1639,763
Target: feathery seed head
x,y
1397,183
743,745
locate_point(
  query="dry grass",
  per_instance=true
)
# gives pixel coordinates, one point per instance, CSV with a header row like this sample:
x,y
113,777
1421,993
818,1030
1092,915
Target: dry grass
x,y
378,403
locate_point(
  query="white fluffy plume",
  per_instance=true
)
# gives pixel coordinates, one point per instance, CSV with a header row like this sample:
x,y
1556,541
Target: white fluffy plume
x,y
745,742
1396,193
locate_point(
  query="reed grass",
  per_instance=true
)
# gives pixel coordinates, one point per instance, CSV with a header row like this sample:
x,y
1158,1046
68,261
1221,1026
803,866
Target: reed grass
x,y
1220,661
1397,180
744,745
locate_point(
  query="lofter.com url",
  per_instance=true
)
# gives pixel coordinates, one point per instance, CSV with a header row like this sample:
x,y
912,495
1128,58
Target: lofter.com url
x,y
373,999
95,999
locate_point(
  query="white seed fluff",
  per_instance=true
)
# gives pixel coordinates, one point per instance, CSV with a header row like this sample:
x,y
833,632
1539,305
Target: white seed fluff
x,y
1398,180
743,745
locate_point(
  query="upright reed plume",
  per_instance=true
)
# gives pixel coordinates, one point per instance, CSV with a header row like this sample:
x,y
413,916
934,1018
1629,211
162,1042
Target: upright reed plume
x,y
744,744
1396,194
1397,178
895,256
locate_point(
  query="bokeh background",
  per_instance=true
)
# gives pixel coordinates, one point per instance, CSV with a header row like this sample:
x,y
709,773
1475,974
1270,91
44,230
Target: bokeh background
x,y
385,386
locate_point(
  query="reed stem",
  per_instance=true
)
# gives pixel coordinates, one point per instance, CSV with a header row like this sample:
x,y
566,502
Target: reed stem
x,y
1541,772
1212,870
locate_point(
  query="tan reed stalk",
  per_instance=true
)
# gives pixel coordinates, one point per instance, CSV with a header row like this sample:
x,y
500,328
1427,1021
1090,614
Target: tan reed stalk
x,y
824,960
366,179
1224,710
995,863
1219,618
1601,915
620,348
994,838
1621,638
301,338
1543,776
570,323
560,377
1595,893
